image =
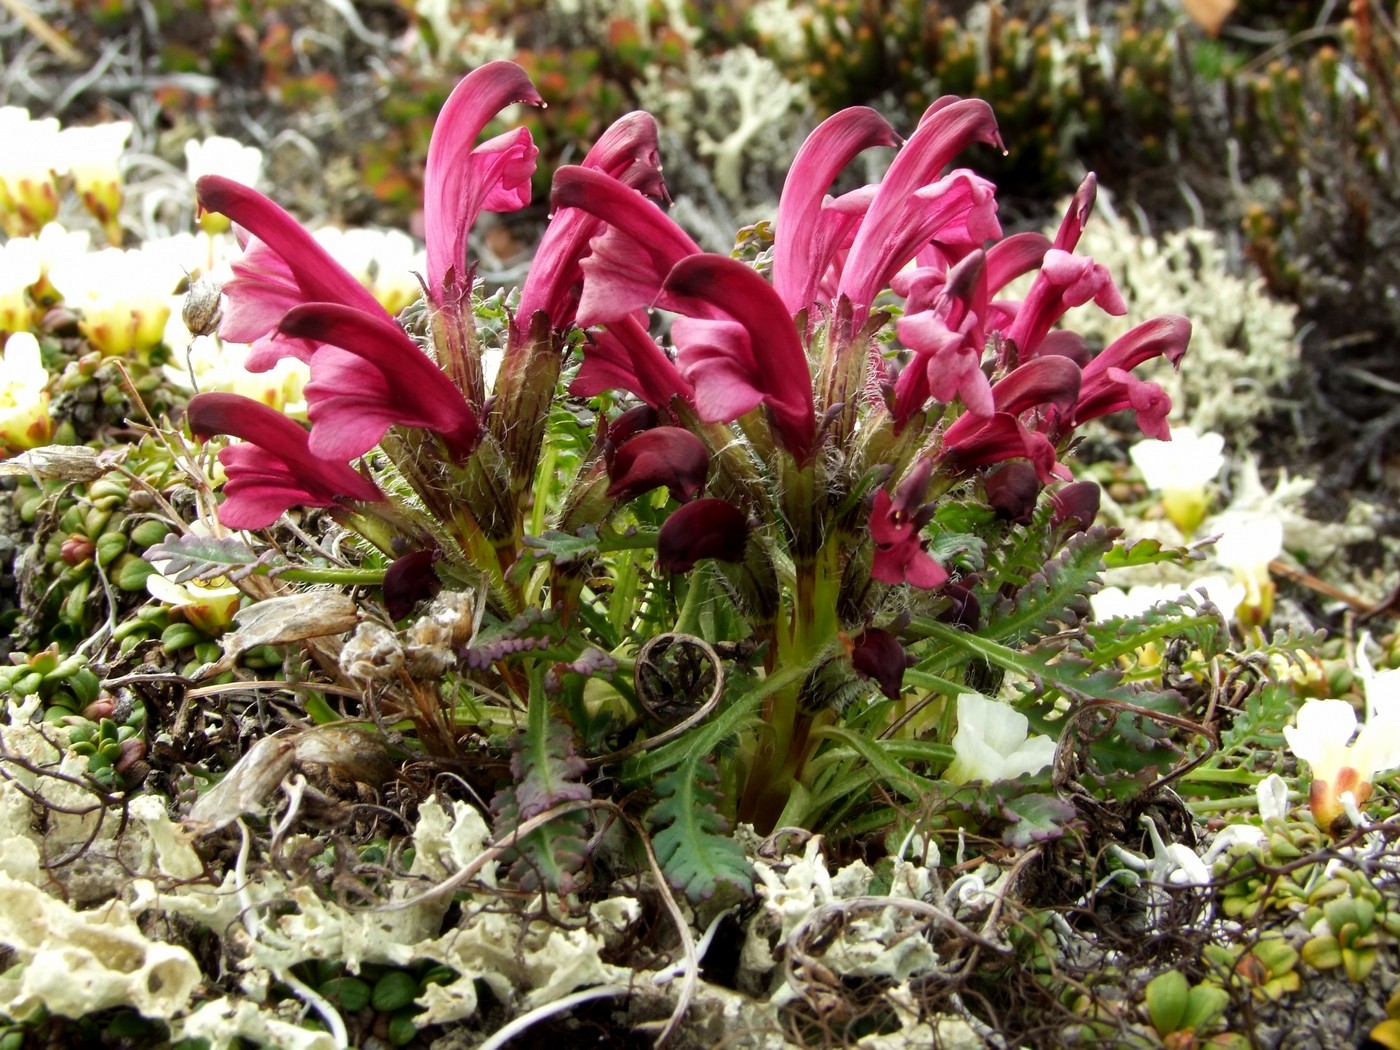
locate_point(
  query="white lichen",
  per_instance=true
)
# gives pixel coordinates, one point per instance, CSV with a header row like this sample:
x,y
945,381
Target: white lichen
x,y
1244,346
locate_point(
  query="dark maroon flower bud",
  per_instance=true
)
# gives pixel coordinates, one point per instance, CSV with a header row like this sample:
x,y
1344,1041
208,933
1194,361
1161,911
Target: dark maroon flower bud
x,y
877,655
703,528
409,580
1012,491
627,425
1077,502
666,456
965,612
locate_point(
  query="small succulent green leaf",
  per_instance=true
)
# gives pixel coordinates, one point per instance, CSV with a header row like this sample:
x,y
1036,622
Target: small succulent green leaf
x,y
1168,995
395,990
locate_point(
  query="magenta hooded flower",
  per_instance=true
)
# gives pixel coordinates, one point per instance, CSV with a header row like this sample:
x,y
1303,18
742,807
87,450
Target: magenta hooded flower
x,y
370,376
702,528
737,346
625,357
282,266
274,470
943,325
805,234
896,225
462,179
895,524
630,259
1064,281
1050,385
627,152
666,456
1108,385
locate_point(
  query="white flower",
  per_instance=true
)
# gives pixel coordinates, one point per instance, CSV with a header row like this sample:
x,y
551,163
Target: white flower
x,y
1342,768
1113,602
208,606
1181,470
57,244
227,157
94,155
24,401
1382,687
1247,544
992,742
123,297
19,268
30,165
212,364
230,158
384,261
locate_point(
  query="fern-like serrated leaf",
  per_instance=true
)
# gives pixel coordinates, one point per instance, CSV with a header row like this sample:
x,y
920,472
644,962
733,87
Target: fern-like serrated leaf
x,y
1147,551
691,845
203,557
546,772
1057,595
550,856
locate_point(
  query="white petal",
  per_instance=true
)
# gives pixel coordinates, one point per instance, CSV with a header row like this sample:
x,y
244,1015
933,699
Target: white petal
x,y
1320,738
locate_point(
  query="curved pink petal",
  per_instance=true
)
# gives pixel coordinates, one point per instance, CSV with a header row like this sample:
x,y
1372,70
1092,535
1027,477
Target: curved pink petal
x,y
736,340
504,166
371,376
627,152
1165,336
628,263
999,437
1051,380
624,356
800,257
456,184
282,266
1081,206
948,127
1013,256
1064,281
275,469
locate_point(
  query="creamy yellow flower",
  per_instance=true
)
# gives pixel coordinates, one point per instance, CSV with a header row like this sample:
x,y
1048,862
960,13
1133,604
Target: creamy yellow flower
x,y
1342,768
94,162
122,297
384,261
19,269
24,399
1247,544
217,155
30,163
1182,470
208,606
992,742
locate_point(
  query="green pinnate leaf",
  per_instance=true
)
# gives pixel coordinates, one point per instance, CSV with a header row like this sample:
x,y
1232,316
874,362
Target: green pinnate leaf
x,y
692,845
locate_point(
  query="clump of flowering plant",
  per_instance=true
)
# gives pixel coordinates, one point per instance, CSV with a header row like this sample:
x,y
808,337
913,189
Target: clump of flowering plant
x,y
844,468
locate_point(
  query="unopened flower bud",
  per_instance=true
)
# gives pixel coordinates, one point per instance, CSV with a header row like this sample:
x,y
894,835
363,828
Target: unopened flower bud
x,y
1012,491
76,549
203,307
